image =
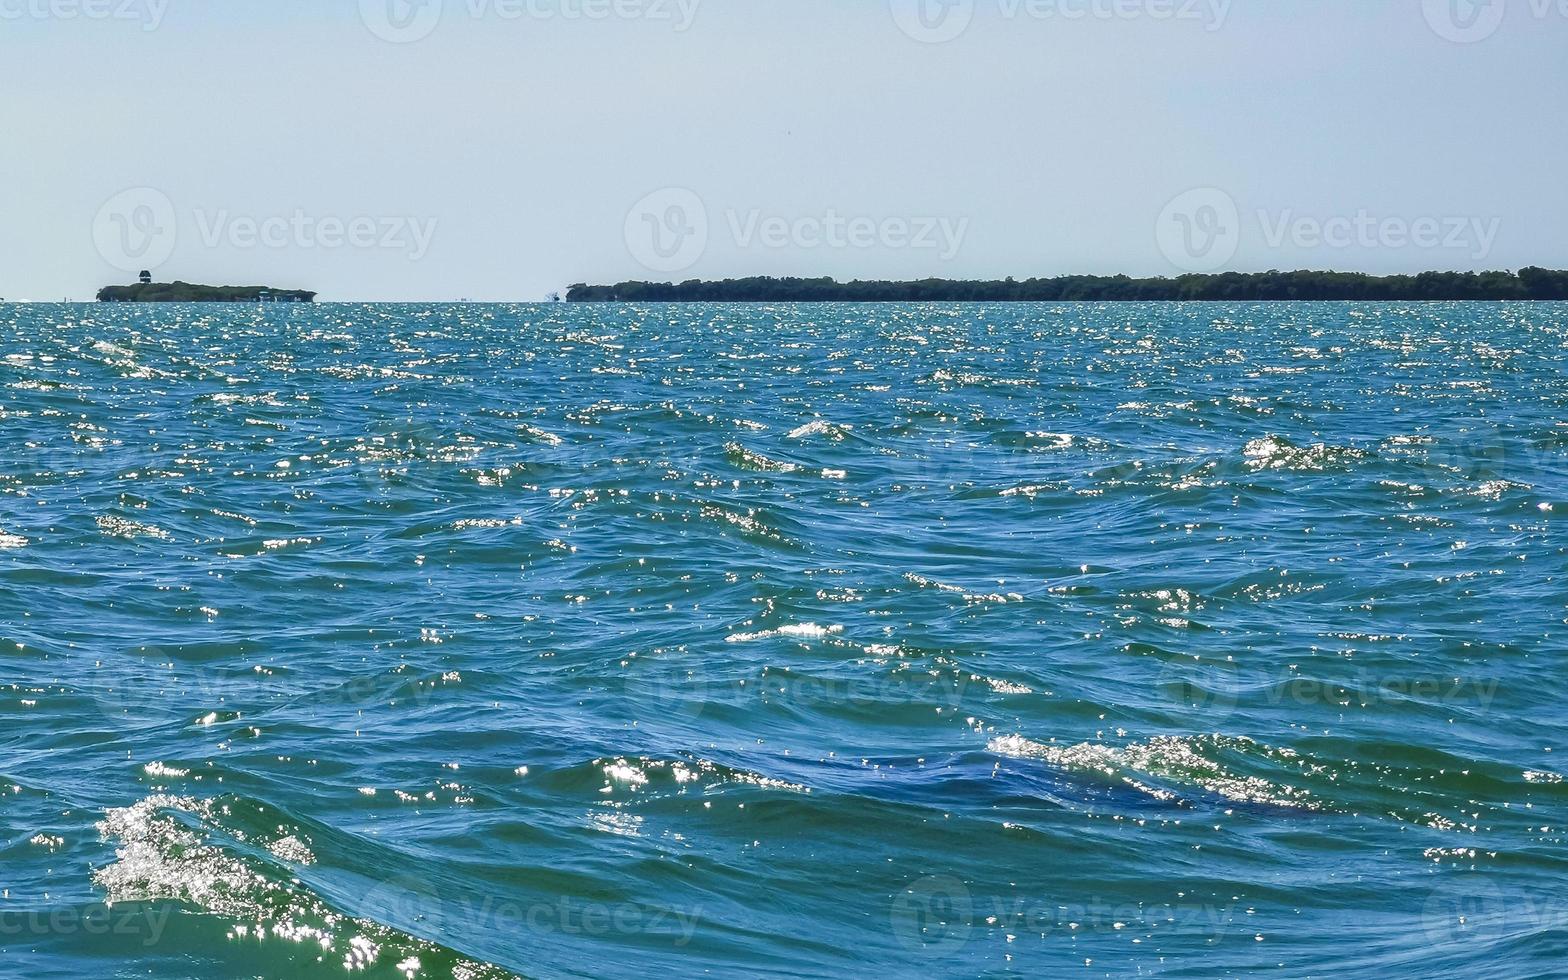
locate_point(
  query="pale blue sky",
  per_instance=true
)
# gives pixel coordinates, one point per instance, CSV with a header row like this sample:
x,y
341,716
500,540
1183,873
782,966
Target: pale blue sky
x,y
501,157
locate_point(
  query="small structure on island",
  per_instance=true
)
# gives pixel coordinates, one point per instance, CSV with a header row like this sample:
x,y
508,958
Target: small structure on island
x,y
146,278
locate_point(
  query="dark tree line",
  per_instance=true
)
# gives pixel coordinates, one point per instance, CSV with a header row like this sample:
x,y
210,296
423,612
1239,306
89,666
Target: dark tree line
x,y
1528,284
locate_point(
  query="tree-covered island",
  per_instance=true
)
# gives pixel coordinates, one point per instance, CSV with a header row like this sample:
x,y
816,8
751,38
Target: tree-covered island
x,y
184,292
1528,284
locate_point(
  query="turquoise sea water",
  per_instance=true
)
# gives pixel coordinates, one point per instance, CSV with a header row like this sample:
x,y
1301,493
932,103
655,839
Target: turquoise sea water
x,y
1205,640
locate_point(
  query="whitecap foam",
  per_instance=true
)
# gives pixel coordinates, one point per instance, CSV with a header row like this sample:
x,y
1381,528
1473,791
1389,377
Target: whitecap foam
x,y
821,427
748,459
1007,687
1274,453
1170,758
166,850
293,850
643,774
999,598
802,631
121,527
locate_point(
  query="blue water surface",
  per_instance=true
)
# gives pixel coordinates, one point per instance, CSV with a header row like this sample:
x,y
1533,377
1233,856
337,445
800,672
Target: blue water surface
x,y
617,641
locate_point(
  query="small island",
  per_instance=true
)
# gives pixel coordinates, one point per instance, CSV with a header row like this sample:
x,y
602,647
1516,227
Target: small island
x,y
148,291
1232,287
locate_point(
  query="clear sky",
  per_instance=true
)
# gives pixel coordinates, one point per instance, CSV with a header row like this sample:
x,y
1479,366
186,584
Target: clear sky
x,y
501,149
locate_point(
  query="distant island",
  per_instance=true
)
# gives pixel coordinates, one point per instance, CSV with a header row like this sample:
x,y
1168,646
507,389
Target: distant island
x,y
1527,284
184,292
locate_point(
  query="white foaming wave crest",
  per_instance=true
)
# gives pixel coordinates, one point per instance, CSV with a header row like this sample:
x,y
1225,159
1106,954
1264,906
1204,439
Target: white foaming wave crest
x,y
1000,598
541,435
757,461
1053,440
635,775
1178,759
748,522
821,427
1273,453
802,631
121,527
160,858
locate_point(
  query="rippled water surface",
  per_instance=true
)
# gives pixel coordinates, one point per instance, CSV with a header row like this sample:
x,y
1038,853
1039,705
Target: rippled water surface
x,y
475,641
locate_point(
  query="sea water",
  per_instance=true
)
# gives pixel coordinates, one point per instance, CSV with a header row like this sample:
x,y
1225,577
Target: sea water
x,y
588,641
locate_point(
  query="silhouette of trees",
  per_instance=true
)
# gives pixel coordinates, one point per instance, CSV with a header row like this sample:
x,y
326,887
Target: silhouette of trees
x,y
1528,284
184,292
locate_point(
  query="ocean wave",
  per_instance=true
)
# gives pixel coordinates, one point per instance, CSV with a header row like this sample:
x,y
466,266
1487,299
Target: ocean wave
x,y
170,849
1275,453
795,631
1165,764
